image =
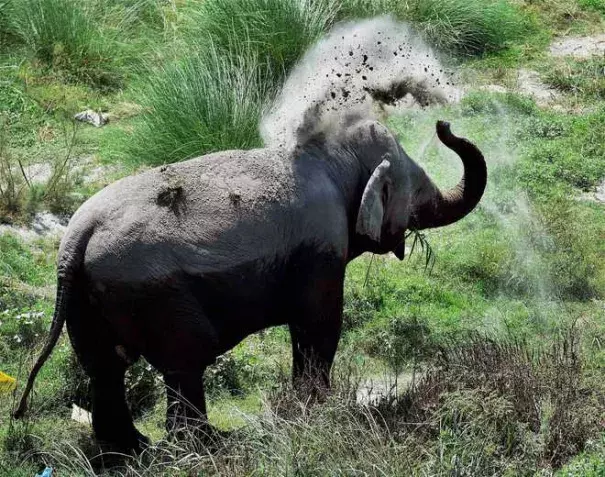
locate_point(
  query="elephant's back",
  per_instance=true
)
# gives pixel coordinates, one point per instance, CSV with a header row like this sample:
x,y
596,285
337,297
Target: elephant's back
x,y
195,215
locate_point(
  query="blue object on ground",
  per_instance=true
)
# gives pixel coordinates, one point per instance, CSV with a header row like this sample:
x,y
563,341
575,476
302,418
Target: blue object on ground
x,y
48,472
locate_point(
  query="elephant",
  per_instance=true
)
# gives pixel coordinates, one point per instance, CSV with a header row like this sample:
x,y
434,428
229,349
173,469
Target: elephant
x,y
180,263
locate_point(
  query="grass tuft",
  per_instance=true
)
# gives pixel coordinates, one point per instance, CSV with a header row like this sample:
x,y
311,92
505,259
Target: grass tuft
x,y
206,102
463,27
213,98
65,36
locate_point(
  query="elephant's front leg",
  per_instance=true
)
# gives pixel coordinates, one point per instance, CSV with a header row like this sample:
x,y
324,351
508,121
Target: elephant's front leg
x,y
315,331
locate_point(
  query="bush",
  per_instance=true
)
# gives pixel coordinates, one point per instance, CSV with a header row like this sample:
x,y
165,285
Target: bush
x,y
515,402
400,342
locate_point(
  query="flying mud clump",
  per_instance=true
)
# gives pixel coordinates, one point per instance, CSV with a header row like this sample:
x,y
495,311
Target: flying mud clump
x,y
355,67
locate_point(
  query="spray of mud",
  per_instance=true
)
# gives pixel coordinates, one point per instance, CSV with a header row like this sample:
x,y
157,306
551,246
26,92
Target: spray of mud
x,y
356,67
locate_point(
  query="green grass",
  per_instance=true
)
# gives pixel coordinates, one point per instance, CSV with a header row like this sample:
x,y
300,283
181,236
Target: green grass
x,y
460,27
278,32
598,5
203,103
63,34
212,98
84,42
580,78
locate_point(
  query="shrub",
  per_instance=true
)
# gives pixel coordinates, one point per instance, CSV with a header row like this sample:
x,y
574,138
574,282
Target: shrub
x,y
522,402
400,342
13,182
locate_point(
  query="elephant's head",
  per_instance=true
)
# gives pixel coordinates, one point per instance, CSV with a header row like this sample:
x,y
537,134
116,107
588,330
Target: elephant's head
x,y
400,196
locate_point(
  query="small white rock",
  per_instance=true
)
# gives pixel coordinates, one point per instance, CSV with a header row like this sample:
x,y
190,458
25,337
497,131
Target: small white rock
x,y
80,415
92,117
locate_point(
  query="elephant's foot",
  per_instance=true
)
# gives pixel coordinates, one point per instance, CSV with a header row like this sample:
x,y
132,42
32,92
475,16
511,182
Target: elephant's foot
x,y
199,434
117,449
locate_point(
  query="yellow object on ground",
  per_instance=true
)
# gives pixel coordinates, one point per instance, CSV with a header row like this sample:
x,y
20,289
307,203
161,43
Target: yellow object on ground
x,y
7,384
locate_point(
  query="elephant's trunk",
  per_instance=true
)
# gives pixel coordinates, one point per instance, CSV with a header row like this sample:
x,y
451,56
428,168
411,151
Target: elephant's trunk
x,y
452,205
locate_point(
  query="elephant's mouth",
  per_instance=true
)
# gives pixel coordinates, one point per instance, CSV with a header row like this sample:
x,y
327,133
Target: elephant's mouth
x,y
399,250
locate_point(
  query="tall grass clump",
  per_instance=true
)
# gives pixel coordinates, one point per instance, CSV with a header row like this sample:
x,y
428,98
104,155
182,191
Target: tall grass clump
x,y
64,35
467,27
205,102
279,31
85,41
213,97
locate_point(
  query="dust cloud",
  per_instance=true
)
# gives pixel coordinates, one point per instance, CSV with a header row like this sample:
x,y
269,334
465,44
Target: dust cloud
x,y
356,67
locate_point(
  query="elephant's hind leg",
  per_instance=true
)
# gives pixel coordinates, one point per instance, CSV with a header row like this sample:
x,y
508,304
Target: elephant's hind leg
x,y
180,341
186,411
102,361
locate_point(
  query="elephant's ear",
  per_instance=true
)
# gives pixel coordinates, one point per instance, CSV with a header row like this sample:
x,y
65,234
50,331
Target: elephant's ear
x,y
373,202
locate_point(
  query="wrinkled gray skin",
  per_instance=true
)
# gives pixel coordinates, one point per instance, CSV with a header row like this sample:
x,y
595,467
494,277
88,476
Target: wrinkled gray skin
x,y
180,263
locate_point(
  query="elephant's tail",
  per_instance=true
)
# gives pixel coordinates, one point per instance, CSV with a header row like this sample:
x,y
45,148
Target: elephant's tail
x,y
61,306
74,248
